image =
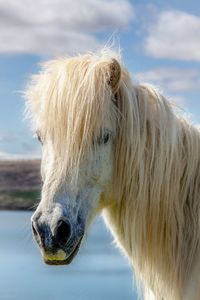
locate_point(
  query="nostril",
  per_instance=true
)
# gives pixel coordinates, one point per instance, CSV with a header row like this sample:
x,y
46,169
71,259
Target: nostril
x,y
63,232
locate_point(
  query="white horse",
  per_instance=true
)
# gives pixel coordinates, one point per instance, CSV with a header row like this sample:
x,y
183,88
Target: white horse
x,y
115,147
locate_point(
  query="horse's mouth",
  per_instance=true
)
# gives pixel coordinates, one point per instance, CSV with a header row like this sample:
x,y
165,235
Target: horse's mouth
x,y
66,261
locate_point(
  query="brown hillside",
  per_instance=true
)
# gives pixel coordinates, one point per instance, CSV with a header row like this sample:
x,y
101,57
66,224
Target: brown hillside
x,y
20,184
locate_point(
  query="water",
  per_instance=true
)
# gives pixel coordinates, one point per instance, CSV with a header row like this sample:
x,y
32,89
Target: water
x,y
99,272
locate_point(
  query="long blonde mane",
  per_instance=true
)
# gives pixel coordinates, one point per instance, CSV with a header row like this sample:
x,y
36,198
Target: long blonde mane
x,y
156,181
68,104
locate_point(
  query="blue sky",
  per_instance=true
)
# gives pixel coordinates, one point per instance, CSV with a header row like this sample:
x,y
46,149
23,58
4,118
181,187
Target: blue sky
x,y
160,44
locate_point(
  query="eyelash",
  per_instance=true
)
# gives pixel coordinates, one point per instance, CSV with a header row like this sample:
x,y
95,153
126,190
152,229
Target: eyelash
x,y
39,137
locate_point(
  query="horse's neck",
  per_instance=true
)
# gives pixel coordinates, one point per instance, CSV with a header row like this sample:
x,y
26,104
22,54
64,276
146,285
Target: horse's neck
x,y
114,222
192,289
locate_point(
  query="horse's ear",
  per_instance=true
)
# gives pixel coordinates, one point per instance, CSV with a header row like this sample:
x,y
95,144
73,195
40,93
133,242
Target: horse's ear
x,y
114,75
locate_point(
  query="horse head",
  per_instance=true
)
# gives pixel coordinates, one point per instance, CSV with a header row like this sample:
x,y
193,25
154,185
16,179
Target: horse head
x,y
72,102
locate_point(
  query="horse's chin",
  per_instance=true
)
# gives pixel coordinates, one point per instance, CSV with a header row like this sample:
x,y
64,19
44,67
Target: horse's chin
x,y
61,262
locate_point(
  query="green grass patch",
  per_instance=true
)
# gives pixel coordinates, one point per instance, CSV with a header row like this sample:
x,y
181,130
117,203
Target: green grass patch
x,y
32,195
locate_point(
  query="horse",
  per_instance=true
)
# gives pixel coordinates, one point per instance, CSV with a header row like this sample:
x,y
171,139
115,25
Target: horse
x,y
115,147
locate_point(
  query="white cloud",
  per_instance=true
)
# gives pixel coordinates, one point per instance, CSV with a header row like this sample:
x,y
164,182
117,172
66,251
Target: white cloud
x,y
174,83
178,100
174,35
57,27
173,80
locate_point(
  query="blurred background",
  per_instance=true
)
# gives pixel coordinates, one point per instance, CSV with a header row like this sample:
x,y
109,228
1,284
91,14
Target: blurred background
x,y
160,43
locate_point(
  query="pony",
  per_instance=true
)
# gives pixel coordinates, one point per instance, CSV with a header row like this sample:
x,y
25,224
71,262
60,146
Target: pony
x,y
118,148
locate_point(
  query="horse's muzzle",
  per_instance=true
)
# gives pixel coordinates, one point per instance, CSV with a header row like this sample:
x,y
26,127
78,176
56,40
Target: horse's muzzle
x,y
60,247
65,261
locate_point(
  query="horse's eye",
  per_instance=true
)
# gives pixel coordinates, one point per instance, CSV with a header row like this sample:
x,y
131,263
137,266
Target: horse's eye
x,y
106,137
103,138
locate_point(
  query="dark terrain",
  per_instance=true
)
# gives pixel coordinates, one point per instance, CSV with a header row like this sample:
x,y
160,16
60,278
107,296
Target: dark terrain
x,y
20,184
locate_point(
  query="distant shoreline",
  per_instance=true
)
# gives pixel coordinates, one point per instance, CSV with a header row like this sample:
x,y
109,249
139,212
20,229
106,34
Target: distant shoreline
x,y
20,184
19,200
